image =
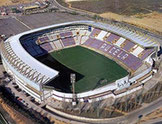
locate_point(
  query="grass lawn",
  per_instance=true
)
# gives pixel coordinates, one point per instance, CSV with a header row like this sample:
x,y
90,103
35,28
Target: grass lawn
x,y
97,70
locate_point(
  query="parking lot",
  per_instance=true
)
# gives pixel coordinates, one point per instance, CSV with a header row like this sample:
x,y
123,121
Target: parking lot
x,y
12,25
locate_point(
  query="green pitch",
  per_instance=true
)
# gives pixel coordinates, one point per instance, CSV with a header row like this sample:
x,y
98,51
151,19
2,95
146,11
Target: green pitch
x,y
97,70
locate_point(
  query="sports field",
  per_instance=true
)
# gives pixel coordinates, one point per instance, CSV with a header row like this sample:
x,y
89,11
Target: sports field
x,y
96,70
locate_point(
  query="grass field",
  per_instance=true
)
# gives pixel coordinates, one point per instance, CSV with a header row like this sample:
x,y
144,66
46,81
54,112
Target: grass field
x,y
96,70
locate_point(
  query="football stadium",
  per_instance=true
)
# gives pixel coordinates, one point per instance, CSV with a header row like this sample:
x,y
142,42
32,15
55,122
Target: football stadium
x,y
83,60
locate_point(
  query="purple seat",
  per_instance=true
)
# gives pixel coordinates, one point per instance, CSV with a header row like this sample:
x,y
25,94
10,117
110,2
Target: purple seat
x,y
147,52
44,39
88,42
112,37
128,59
68,41
46,46
105,47
133,62
128,45
66,34
95,31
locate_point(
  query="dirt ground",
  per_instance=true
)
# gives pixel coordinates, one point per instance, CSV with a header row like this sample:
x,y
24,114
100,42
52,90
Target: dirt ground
x,y
13,2
16,116
151,21
145,14
122,7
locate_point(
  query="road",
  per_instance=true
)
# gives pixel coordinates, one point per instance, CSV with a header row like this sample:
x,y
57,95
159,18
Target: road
x,y
154,121
2,119
133,117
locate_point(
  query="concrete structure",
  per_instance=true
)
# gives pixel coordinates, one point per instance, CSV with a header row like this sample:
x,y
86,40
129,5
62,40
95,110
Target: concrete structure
x,y
30,75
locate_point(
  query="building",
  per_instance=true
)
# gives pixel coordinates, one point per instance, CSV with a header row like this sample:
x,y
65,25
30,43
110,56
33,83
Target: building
x,y
130,50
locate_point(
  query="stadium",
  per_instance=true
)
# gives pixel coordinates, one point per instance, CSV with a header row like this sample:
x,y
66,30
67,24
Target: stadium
x,y
81,60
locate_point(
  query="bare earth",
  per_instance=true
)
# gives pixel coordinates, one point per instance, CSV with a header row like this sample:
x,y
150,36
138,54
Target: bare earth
x,y
142,13
151,21
19,118
13,2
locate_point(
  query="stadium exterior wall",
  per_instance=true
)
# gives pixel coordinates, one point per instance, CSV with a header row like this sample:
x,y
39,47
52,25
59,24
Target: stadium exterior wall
x,y
27,84
133,79
68,96
21,82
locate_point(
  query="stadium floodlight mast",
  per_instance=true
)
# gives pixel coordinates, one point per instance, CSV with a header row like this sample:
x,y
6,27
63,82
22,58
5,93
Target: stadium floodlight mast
x,y
73,77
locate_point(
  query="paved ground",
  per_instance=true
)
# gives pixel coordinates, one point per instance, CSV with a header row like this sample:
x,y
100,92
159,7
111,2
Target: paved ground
x,y
20,24
153,117
154,121
11,26
39,20
33,105
6,116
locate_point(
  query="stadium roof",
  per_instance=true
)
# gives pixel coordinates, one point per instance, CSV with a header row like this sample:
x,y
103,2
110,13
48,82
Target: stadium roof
x,y
139,38
29,60
135,36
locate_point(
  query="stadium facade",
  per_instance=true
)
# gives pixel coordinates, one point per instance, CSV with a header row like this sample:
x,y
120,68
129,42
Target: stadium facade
x,y
133,52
